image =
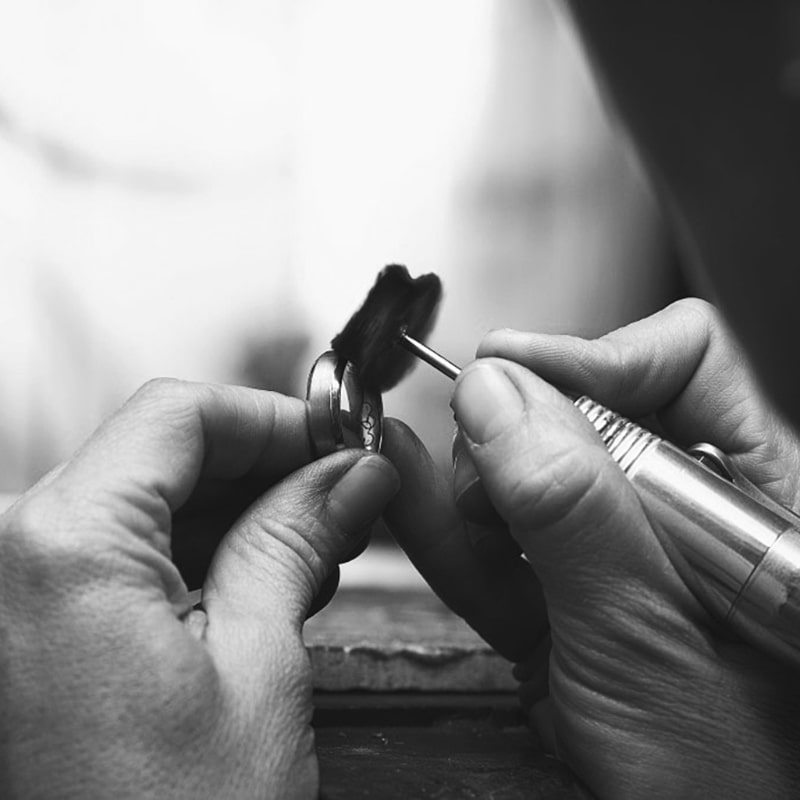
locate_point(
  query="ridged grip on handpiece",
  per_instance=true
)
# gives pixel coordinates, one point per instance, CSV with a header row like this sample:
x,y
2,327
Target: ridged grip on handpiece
x,y
739,554
624,440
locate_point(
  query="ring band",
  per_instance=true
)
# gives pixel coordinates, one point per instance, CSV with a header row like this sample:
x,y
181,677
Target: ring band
x,y
341,413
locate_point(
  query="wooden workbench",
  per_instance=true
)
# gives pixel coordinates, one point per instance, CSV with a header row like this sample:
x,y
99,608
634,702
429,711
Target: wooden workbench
x,y
411,703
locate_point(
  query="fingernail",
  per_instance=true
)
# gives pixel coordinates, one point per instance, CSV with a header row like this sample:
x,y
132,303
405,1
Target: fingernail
x,y
486,402
470,496
361,494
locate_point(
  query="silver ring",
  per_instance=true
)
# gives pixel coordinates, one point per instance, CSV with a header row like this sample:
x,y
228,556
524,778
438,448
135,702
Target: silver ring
x,y
341,413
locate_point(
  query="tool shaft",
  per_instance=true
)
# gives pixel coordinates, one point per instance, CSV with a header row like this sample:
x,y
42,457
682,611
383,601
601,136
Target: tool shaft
x,y
429,356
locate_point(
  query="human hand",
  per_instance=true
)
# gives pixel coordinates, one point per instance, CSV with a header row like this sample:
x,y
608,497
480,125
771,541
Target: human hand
x,y
110,684
645,695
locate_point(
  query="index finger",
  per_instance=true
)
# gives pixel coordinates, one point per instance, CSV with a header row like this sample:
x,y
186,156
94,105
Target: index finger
x,y
171,434
681,365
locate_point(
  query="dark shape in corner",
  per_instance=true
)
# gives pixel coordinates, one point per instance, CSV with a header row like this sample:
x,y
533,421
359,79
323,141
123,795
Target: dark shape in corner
x,y
397,303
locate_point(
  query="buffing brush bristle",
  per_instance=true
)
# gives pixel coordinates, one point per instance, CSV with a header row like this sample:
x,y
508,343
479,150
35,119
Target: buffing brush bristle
x,y
397,303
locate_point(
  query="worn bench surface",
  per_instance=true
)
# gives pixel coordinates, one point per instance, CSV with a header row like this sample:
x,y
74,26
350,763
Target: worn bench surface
x,y
411,703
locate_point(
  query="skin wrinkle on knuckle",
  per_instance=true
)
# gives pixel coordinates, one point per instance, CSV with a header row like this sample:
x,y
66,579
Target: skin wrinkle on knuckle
x,y
164,398
131,520
171,397
175,406
618,359
129,508
281,543
550,492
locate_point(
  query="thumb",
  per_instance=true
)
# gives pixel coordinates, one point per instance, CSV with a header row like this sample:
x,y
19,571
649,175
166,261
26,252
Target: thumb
x,y
273,562
566,502
257,593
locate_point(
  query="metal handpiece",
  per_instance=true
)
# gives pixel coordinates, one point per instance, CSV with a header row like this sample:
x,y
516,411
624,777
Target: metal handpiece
x,y
736,549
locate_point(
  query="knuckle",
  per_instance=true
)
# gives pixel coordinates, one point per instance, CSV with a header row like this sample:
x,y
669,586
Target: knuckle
x,y
161,390
169,400
42,551
616,352
701,318
31,554
696,305
24,525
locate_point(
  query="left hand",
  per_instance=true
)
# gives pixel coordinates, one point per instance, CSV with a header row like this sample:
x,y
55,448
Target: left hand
x,y
110,684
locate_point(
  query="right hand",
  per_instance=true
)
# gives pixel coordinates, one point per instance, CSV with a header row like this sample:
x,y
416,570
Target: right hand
x,y
646,695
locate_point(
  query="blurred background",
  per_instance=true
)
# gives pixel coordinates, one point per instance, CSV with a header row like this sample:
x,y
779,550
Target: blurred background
x,y
207,190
